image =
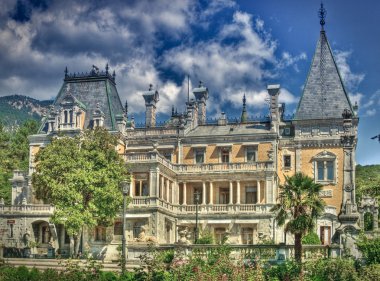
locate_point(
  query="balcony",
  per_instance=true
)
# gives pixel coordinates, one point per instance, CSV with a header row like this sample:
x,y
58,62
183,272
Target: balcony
x,y
147,202
154,157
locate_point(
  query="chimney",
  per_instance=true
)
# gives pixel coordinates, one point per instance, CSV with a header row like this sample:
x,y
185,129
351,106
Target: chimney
x,y
151,98
201,95
274,92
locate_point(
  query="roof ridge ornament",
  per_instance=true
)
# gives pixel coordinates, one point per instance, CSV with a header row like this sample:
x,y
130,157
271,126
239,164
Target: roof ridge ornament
x,y
322,15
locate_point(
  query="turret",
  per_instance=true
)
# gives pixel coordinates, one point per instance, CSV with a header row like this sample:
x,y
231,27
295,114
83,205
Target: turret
x,y
151,98
201,96
274,92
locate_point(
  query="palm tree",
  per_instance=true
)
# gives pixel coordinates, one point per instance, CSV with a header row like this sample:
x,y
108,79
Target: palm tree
x,y
298,207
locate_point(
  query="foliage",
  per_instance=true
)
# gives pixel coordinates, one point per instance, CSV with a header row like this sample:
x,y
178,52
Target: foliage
x,y
80,176
370,273
206,238
367,181
288,270
299,206
370,249
331,270
311,239
14,154
368,222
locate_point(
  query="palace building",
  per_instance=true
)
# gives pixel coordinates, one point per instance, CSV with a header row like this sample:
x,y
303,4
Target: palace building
x,y
224,174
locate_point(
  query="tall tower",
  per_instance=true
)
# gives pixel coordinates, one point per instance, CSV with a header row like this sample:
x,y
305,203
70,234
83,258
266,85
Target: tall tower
x,y
151,98
201,96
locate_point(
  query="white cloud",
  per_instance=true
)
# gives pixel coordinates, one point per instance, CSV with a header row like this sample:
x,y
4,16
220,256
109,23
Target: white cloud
x,y
370,112
351,80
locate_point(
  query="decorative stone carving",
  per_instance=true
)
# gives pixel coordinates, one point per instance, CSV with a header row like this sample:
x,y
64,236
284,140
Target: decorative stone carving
x,y
145,238
183,233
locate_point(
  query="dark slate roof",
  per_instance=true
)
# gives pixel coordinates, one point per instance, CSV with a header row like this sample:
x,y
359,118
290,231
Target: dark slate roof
x,y
324,95
91,89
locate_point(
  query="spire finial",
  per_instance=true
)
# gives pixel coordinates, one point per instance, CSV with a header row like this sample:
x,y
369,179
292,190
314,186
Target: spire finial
x,y
107,68
322,15
126,107
66,71
244,100
150,87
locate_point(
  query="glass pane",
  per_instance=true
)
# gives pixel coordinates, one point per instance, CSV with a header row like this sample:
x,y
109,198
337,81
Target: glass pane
x,y
320,169
199,157
330,170
287,163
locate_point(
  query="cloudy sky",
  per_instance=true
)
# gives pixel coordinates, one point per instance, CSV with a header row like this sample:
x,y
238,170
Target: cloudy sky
x,y
234,47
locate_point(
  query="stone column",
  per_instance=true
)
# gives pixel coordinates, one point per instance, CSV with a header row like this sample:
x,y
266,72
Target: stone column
x,y
132,189
211,193
238,192
167,196
204,193
258,192
162,188
231,193
269,190
184,193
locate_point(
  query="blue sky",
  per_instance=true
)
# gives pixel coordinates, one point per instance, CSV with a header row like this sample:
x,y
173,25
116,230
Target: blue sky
x,y
234,47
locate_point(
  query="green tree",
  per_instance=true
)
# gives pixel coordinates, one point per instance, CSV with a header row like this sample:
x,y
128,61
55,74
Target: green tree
x,y
367,181
80,176
14,154
298,207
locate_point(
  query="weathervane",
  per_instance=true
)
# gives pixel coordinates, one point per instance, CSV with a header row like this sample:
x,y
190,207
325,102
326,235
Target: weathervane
x,y
322,15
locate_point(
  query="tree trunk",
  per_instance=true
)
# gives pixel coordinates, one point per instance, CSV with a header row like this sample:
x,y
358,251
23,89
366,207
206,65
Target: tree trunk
x,y
298,247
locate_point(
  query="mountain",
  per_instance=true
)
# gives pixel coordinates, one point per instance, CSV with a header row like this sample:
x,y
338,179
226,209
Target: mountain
x,y
16,109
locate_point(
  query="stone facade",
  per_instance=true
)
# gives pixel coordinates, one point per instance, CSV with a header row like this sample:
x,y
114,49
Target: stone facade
x,y
235,167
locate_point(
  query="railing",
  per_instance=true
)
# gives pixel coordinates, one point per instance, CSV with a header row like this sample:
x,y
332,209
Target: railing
x,y
141,157
27,208
152,132
269,253
202,209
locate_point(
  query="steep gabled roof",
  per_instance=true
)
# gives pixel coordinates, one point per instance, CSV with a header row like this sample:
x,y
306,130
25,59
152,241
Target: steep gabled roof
x,y
324,95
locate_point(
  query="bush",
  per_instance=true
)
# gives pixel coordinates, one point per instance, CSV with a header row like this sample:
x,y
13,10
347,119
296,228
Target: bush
x,y
206,238
311,239
370,249
331,270
370,273
290,270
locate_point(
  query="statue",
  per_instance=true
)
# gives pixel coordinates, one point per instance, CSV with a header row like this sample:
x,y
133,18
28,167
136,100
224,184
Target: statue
x,y
145,238
183,236
27,238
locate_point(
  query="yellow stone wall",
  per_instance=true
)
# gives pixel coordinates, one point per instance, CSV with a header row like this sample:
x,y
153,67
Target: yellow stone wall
x,y
307,167
262,153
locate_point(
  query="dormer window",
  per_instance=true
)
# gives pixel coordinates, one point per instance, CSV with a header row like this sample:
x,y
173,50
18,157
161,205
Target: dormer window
x,y
225,155
98,117
250,153
70,112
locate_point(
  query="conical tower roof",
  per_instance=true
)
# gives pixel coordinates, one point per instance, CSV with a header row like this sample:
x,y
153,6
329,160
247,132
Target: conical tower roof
x,y
324,95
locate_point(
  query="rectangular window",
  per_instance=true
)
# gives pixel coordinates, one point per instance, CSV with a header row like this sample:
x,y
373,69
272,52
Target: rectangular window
x,y
168,155
197,190
251,195
330,170
225,155
287,161
100,234
118,228
141,188
219,235
199,156
224,196
325,235
247,235
251,154
325,170
320,169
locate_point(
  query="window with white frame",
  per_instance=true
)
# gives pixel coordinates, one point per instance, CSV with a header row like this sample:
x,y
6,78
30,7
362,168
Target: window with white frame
x,y
250,153
199,156
325,167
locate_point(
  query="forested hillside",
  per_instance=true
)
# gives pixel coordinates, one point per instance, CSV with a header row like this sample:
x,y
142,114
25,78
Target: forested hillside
x,y
368,181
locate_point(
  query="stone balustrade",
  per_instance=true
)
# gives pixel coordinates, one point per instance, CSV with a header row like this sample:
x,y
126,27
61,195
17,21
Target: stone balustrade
x,y
138,202
154,157
27,209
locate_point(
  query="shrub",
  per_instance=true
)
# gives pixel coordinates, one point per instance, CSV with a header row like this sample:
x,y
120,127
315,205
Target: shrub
x,y
331,270
311,239
289,270
370,249
206,238
370,273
